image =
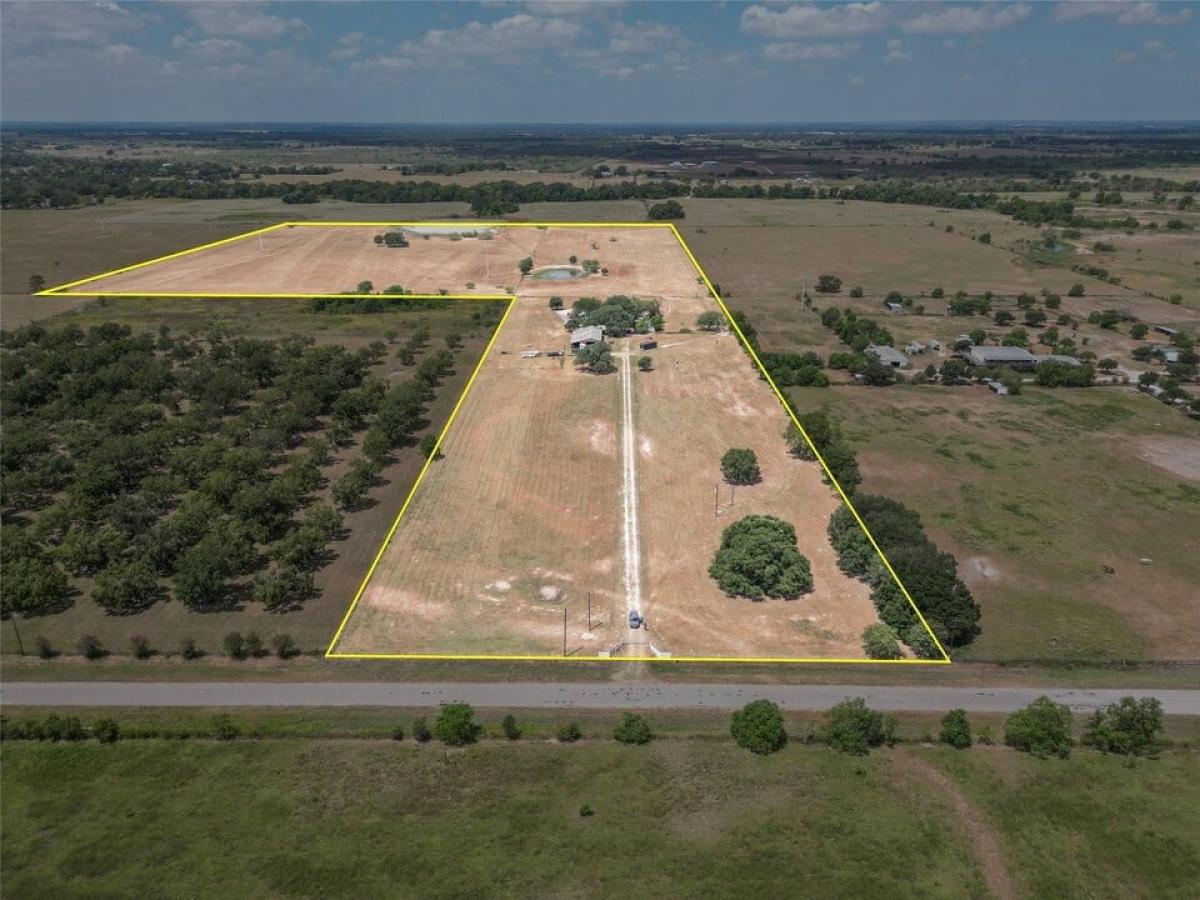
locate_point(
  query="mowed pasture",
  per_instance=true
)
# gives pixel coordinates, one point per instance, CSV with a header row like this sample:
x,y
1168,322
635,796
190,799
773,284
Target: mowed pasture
x,y
521,519
704,397
516,523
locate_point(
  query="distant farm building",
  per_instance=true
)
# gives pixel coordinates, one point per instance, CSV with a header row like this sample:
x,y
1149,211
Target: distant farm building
x,y
586,336
889,356
914,347
648,345
1167,330
1015,357
1057,358
998,388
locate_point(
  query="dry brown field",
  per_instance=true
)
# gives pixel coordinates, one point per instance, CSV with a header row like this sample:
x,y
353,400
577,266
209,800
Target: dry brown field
x,y
522,518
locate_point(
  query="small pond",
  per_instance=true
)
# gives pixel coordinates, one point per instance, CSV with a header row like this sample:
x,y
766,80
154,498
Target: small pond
x,y
558,273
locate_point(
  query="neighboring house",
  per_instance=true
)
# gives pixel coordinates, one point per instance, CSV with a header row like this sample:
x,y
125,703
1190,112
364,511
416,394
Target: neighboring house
x,y
896,308
648,344
1170,356
1014,357
914,347
586,336
1167,330
1057,358
889,356
933,345
998,388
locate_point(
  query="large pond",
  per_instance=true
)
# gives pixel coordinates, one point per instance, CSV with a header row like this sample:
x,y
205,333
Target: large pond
x,y
558,273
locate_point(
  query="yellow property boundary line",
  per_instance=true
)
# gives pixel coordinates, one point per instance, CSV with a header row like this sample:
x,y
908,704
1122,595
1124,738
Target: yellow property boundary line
x,y
330,653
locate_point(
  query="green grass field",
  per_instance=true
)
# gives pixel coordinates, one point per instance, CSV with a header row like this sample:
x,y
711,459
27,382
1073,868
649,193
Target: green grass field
x,y
683,817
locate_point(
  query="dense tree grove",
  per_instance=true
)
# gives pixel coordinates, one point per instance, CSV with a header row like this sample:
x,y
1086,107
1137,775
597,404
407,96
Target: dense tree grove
x,y
619,315
930,576
186,466
758,558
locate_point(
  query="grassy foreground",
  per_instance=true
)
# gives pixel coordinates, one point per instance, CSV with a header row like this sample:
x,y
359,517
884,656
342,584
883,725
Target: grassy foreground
x,y
291,817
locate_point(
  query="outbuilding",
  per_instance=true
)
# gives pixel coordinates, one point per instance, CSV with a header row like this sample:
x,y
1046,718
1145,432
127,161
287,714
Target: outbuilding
x,y
1014,357
586,336
889,356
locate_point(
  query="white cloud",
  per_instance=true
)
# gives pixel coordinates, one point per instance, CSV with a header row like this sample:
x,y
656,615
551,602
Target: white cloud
x,y
210,48
117,54
1125,13
806,21
92,23
794,50
895,52
515,40
857,81
347,46
244,20
1125,58
645,37
968,19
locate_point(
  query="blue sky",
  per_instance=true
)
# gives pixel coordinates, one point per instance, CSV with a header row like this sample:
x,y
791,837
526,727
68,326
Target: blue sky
x,y
582,61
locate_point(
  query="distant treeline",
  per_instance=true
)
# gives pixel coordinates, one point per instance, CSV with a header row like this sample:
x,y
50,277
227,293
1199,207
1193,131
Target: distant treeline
x,y
31,181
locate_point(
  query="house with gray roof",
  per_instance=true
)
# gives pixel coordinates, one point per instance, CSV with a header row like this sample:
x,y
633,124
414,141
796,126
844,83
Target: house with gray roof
x,y
1014,357
586,336
889,356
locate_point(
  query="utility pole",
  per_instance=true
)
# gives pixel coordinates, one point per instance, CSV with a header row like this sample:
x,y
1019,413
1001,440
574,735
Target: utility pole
x,y
589,610
564,631
20,645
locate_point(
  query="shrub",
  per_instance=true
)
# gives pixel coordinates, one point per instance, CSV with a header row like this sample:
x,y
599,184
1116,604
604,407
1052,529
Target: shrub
x,y
397,733
224,728
758,727
828,284
456,725
284,646
585,811
1131,727
758,558
986,737
569,732
956,730
645,363
106,731
740,466
90,647
45,650
62,728
852,727
633,729
1042,728
234,645
189,650
139,645
669,209
420,730
511,729
254,644
1076,290
881,642
985,238
856,292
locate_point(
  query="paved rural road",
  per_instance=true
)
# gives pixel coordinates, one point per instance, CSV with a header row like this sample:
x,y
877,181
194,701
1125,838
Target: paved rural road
x,y
565,695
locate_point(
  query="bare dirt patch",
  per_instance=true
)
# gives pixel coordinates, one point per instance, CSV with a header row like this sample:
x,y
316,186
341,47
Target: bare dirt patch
x,y
1177,455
